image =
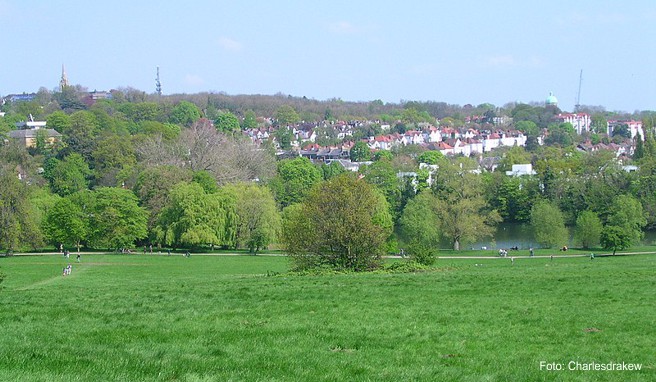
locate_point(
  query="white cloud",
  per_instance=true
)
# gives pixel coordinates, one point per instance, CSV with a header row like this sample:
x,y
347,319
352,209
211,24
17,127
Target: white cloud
x,y
230,44
193,80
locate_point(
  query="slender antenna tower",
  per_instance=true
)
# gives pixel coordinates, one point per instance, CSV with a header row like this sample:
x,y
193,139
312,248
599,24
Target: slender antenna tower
x,y
578,95
158,85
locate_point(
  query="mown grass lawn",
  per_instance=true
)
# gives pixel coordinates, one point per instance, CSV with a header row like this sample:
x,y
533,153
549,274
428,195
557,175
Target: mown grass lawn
x,y
218,318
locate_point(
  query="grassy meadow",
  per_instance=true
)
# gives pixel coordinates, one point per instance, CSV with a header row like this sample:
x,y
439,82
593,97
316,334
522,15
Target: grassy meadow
x,y
222,318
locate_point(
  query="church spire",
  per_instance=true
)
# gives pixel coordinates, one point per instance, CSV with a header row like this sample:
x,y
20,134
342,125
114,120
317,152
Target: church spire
x,y
63,83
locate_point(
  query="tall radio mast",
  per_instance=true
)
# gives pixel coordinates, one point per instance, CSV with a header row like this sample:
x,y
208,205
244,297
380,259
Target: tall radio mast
x,y
578,95
158,85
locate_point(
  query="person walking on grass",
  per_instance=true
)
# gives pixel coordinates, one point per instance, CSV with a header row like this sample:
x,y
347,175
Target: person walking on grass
x,y
78,258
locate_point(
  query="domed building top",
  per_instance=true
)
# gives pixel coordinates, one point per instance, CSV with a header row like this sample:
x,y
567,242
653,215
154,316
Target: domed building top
x,y
552,100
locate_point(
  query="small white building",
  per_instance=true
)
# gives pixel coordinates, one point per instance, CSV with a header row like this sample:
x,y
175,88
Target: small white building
x,y
521,169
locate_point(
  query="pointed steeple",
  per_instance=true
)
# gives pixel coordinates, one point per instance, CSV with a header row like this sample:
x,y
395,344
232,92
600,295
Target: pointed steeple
x,y
63,83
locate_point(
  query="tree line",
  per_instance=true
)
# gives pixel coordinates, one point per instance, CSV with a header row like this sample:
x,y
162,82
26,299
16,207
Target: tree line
x,y
135,170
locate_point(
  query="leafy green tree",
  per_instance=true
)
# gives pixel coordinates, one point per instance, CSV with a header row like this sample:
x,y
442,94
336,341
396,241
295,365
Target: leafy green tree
x,y
193,217
382,174
185,114
115,218
16,223
360,152
206,180
59,121
560,134
153,186
420,227
168,131
599,123
112,154
588,229
331,170
68,175
627,214
294,179
284,136
383,155
512,197
548,225
343,224
462,209
227,123
639,151
250,120
430,157
527,127
66,224
286,116
258,220
616,238
80,136
621,130
514,155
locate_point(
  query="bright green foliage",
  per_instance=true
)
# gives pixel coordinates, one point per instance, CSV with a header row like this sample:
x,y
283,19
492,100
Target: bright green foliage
x,y
112,154
16,223
382,174
227,123
616,238
184,113
258,219
527,127
193,217
286,115
462,209
68,175
514,155
343,224
168,131
153,186
294,180
430,157
332,170
206,180
560,134
420,227
512,197
548,225
250,120
284,136
626,213
66,224
115,218
588,229
383,155
141,111
80,136
59,121
360,152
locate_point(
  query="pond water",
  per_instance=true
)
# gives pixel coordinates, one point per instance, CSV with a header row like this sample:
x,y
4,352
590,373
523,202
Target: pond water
x,y
520,235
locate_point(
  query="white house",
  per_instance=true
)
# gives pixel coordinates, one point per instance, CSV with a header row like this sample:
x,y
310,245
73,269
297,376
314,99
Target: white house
x,y
580,121
521,169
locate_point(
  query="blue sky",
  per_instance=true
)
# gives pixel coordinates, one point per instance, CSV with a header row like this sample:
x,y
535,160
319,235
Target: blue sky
x,y
457,52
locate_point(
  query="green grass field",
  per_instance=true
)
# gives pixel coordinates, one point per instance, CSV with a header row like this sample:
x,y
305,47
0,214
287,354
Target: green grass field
x,y
219,318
